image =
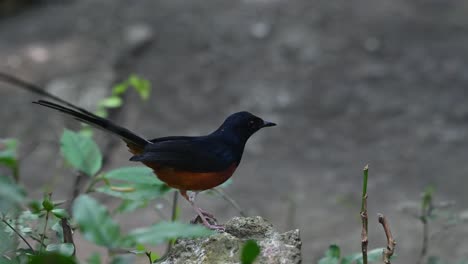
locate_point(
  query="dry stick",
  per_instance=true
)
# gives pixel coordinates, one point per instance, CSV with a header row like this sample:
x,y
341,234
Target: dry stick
x,y
18,233
67,233
226,197
426,211
364,218
391,243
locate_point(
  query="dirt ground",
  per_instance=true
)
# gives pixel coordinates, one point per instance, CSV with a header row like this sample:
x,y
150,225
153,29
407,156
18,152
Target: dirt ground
x,y
348,82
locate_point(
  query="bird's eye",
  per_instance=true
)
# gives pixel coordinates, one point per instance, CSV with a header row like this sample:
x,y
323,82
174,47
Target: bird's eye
x,y
251,123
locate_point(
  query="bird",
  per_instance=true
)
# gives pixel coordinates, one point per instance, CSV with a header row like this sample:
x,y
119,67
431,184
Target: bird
x,y
190,164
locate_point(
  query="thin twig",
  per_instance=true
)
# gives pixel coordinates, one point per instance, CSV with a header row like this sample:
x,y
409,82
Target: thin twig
x,y
67,233
45,225
426,211
18,233
175,199
76,189
391,243
364,217
148,254
38,240
226,197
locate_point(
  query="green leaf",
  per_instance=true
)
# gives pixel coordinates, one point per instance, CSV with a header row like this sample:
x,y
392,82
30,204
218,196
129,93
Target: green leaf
x,y
111,102
4,260
65,249
57,227
95,258
60,213
52,257
11,195
87,131
122,259
141,85
8,155
35,206
250,252
127,206
143,175
9,243
154,256
434,260
135,191
81,152
47,204
101,112
120,88
165,231
374,255
427,197
332,255
95,223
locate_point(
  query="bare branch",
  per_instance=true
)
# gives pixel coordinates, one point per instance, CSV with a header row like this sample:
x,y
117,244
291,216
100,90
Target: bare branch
x,y
391,243
230,200
67,233
427,208
364,218
18,233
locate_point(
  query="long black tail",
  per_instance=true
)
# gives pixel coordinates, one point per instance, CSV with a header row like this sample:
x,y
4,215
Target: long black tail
x,y
134,141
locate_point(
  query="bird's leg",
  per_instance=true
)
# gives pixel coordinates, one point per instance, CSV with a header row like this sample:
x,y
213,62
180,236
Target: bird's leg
x,y
201,213
191,199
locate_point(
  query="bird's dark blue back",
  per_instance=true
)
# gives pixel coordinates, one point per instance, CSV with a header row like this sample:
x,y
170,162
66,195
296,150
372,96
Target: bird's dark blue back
x,y
198,154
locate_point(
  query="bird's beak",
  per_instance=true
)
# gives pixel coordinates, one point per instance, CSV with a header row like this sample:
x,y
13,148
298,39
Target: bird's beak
x,y
268,124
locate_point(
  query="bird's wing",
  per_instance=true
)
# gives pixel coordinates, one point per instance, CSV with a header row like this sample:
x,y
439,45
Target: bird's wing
x,y
197,154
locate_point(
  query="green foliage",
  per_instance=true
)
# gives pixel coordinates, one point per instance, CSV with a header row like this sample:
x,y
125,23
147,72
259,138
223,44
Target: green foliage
x,y
44,222
95,222
427,198
65,249
165,231
250,252
141,175
11,195
9,243
81,152
122,259
53,257
141,86
141,185
333,256
95,258
8,155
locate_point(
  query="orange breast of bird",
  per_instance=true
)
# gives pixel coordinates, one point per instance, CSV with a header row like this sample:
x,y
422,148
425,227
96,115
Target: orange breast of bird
x,y
191,181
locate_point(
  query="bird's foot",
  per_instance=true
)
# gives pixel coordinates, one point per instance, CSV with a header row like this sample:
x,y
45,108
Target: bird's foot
x,y
208,217
207,220
218,228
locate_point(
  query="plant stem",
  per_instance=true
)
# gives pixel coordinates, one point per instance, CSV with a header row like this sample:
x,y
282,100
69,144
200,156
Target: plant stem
x,y
18,233
391,243
364,217
45,226
364,187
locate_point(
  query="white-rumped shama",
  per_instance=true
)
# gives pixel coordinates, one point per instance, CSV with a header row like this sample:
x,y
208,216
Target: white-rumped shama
x,y
185,163
182,162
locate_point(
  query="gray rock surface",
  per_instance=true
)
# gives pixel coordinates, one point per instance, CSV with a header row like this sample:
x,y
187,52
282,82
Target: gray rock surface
x,y
226,247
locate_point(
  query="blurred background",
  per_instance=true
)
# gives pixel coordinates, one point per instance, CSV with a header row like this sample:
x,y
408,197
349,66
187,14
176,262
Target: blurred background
x,y
349,83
